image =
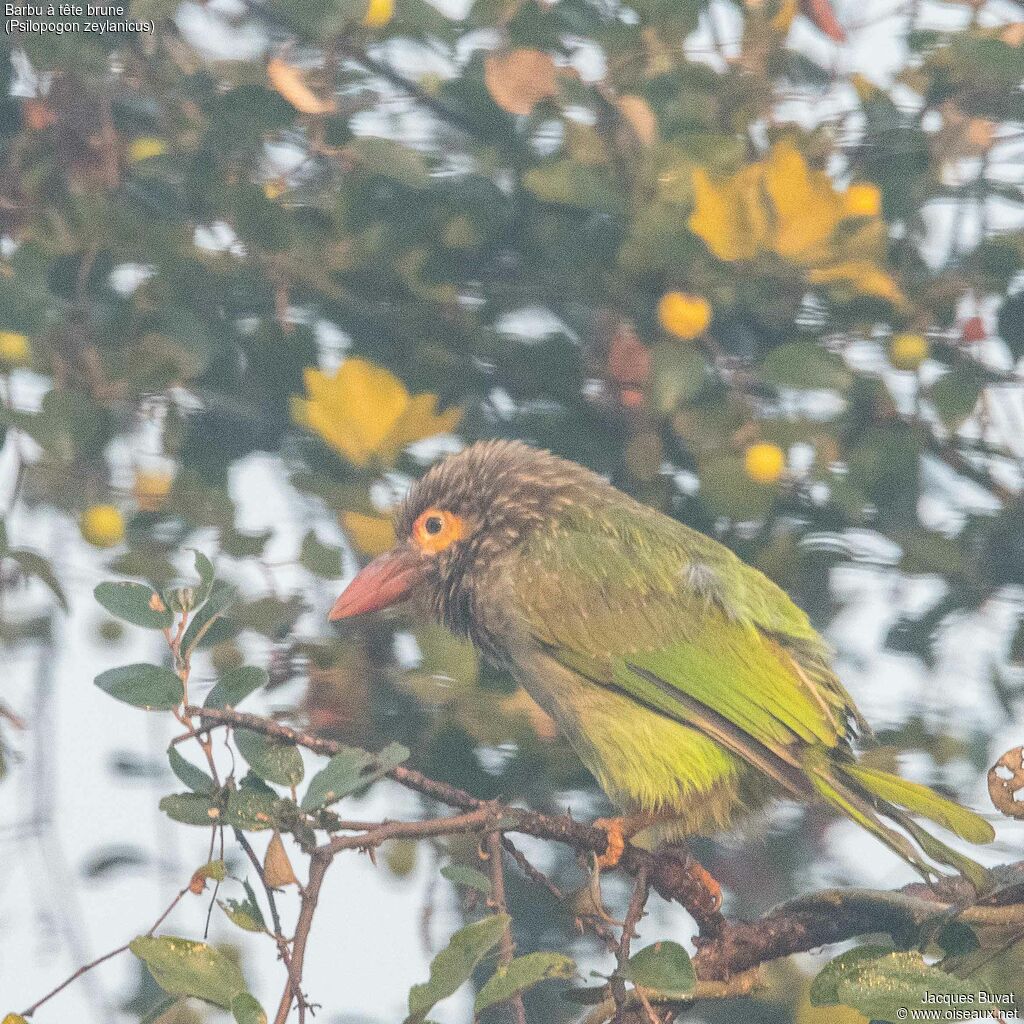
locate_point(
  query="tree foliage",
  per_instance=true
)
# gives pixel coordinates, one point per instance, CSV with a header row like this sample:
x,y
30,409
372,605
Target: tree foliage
x,y
663,238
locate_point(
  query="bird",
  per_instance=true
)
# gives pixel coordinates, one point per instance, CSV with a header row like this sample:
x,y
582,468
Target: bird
x,y
690,685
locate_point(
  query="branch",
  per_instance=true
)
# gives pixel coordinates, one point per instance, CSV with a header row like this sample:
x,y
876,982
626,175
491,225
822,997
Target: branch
x,y
835,915
669,873
500,902
726,950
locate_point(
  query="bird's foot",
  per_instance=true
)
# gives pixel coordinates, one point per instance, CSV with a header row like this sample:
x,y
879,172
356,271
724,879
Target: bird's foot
x,y
614,829
706,881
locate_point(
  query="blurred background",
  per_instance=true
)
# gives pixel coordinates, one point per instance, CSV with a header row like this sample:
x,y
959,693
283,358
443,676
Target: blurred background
x,y
758,262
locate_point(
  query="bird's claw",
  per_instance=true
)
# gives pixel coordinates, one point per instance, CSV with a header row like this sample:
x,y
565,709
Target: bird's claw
x,y
615,844
707,881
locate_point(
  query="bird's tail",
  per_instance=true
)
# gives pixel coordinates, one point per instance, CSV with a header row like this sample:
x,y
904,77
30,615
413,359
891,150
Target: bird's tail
x,y
868,795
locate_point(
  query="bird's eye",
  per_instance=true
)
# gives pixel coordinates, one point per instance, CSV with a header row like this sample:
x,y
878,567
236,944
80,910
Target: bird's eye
x,y
437,529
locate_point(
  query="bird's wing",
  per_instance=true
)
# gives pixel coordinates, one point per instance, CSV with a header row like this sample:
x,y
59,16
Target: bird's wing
x,y
642,604
639,602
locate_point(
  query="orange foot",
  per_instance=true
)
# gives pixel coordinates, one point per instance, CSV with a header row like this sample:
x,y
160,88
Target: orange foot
x,y
614,829
707,882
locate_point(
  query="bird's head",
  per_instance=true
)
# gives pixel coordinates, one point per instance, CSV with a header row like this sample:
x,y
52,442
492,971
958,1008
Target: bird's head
x,y
455,525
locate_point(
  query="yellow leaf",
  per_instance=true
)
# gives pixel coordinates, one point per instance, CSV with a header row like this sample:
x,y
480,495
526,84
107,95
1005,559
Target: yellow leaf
x,y
288,81
520,79
784,16
365,413
372,535
861,277
14,1018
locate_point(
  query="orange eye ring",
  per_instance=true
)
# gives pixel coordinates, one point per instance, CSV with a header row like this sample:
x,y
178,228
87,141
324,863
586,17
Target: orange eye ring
x,y
436,529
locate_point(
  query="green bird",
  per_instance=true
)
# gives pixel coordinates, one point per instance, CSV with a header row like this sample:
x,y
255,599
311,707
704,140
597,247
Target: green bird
x,y
687,682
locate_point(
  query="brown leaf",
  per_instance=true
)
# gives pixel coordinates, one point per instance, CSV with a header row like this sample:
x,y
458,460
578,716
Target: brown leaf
x,y
520,79
288,81
1006,780
277,868
637,111
629,359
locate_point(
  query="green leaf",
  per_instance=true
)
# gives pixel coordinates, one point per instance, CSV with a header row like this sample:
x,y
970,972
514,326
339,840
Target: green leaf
x,y
244,914
134,602
461,874
246,1010
33,564
389,159
235,685
349,770
662,967
955,394
182,967
252,807
195,778
886,985
222,596
679,373
728,491
805,365
191,809
454,965
319,558
273,760
156,1011
572,183
207,574
521,974
215,869
143,686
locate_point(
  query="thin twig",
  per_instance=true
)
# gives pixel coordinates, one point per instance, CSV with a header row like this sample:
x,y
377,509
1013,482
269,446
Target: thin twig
x,y
85,968
637,902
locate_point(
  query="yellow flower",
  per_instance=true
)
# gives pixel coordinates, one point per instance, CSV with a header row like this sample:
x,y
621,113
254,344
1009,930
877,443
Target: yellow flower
x,y
151,487
685,316
102,525
764,462
365,413
807,208
14,349
379,13
723,218
780,207
908,351
145,148
862,200
372,535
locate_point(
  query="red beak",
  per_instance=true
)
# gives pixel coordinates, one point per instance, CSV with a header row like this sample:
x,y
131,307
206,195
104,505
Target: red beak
x,y
384,582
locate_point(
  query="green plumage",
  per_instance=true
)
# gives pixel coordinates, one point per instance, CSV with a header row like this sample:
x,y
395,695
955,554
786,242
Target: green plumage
x,y
689,684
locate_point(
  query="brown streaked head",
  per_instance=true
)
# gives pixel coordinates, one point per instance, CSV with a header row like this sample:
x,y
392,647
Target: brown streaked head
x,y
464,513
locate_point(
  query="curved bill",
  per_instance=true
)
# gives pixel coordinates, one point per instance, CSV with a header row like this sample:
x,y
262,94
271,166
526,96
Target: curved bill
x,y
384,582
